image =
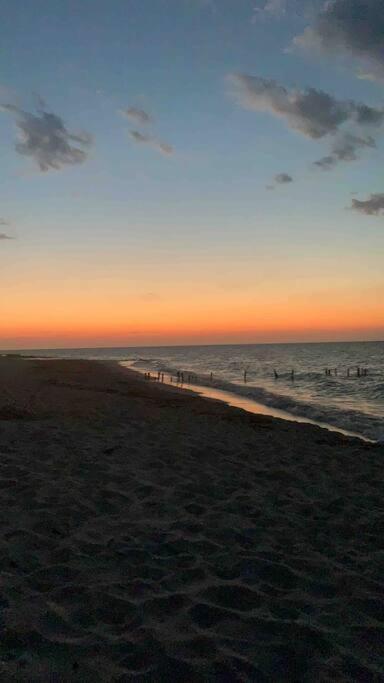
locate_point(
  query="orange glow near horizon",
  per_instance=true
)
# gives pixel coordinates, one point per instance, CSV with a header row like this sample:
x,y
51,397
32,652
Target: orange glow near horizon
x,y
53,302
161,323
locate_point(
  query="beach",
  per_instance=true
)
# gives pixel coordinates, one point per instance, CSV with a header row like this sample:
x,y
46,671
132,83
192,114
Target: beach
x,y
149,534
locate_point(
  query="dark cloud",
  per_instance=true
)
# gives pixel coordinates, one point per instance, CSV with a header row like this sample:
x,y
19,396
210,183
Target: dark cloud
x,y
44,138
345,148
326,163
315,114
280,179
368,116
142,138
283,179
372,206
354,27
312,112
137,115
3,236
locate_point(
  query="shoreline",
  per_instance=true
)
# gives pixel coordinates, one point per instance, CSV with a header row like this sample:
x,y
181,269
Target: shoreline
x,y
152,534
245,403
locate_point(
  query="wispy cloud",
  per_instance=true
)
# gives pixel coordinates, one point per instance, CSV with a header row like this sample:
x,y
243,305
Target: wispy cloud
x,y
312,112
142,138
370,207
345,148
3,235
351,27
139,116
44,138
271,9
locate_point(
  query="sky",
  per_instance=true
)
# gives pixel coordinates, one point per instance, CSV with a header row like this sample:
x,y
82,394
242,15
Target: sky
x,y
191,171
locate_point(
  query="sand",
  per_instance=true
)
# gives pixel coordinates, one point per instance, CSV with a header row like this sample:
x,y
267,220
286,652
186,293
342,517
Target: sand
x,y
148,534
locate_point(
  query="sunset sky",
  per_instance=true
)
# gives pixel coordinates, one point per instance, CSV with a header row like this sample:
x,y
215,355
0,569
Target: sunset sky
x,y
191,171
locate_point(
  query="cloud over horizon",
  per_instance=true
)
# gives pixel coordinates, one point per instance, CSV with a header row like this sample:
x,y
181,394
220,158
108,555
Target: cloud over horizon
x,y
142,138
3,236
44,138
370,207
349,27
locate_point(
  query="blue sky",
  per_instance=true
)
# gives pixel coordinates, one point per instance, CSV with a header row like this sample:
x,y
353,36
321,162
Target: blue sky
x,y
127,201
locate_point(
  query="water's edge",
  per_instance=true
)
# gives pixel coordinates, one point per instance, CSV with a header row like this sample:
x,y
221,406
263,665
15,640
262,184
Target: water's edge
x,y
336,385
221,391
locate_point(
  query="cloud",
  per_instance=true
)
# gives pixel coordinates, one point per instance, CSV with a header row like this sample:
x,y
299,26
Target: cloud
x,y
280,179
314,113
137,115
345,148
271,9
352,27
3,235
44,137
326,163
142,138
283,179
370,207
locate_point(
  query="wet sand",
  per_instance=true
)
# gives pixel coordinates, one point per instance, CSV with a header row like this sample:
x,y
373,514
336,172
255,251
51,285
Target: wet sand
x,y
149,534
209,390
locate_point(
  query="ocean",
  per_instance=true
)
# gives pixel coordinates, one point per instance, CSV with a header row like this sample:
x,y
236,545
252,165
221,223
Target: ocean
x,y
347,399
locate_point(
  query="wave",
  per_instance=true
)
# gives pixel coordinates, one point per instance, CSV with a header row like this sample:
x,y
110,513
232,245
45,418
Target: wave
x,y
348,419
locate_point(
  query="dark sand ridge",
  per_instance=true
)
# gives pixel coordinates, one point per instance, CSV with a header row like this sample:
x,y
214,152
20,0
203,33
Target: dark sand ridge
x,y
151,535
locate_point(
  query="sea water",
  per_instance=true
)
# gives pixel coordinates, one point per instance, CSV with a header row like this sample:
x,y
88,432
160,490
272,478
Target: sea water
x,y
342,399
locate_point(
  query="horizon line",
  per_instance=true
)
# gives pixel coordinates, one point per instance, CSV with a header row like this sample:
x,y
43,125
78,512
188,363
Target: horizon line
x,y
167,346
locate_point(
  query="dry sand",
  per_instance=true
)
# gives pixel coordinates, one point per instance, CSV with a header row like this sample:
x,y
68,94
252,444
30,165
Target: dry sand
x,y
151,535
